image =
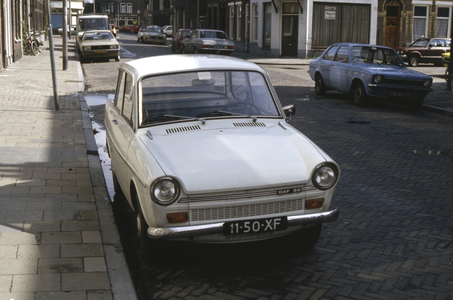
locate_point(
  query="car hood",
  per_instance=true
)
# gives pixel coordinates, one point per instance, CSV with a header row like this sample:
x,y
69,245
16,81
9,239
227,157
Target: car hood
x,y
396,72
225,159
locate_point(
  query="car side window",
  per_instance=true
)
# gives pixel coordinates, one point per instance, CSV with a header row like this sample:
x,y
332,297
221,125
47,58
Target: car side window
x,y
119,92
330,53
343,54
448,42
128,96
438,43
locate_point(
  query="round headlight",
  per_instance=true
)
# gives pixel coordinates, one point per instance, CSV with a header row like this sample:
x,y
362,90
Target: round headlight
x,y
165,191
325,176
377,78
427,83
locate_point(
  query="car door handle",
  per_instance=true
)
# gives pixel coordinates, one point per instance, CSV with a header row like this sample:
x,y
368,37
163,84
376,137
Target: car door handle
x,y
115,122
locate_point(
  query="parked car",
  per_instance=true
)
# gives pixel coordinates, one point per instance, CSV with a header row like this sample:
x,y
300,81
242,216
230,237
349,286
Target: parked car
x,y
99,44
121,28
154,34
365,71
176,42
202,150
424,51
168,30
208,41
132,28
71,30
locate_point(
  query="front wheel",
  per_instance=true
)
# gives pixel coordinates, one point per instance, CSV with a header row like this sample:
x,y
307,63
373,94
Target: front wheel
x,y
117,58
320,87
358,94
414,60
142,229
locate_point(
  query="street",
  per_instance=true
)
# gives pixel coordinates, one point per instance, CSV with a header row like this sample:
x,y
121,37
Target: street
x,y
393,239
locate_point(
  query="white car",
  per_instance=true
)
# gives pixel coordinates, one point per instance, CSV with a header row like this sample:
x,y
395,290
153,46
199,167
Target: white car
x,y
168,30
202,150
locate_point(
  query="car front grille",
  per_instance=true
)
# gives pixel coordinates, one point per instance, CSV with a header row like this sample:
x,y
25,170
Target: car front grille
x,y
403,82
245,211
100,47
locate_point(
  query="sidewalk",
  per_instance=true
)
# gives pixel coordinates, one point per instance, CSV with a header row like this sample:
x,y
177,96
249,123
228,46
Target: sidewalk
x,y
58,239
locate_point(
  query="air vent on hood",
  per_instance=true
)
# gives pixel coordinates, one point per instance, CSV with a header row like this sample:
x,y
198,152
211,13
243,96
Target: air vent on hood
x,y
183,129
249,124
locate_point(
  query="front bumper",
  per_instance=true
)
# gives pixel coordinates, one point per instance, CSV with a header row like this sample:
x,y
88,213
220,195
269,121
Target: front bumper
x,y
215,228
92,53
397,91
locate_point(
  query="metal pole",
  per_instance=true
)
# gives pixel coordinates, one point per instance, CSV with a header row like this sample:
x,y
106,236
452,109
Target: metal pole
x,y
52,59
450,63
70,19
64,35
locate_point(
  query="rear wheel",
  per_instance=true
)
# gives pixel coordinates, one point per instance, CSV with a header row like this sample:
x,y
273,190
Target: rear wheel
x,y
414,60
358,94
320,87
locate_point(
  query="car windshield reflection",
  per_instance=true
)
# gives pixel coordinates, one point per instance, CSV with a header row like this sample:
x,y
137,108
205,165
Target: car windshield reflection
x,y
207,95
375,55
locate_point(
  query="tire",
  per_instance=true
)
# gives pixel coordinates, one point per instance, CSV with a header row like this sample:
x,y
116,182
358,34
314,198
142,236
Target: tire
x,y
196,51
119,195
34,48
173,48
446,75
138,40
146,244
184,50
307,238
117,58
320,87
414,60
358,94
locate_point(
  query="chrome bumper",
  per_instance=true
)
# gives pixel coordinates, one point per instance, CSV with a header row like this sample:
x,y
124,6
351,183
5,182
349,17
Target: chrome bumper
x,y
188,231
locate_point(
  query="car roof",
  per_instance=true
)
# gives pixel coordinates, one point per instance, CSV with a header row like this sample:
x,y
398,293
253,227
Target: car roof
x,y
358,44
96,30
163,64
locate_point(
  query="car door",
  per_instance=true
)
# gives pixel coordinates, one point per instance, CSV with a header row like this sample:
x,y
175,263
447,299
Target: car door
x,y
436,48
121,127
339,71
327,64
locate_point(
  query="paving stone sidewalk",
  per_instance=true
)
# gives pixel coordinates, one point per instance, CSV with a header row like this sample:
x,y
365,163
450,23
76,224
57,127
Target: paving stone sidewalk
x,y
58,239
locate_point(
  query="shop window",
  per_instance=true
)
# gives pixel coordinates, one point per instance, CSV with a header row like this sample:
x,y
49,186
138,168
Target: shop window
x,y
420,22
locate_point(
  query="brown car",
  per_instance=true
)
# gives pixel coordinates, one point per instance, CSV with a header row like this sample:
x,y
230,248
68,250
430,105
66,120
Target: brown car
x,y
176,42
424,51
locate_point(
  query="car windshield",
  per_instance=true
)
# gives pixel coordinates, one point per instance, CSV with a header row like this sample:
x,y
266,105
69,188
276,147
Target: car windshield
x,y
375,55
154,29
213,35
420,43
186,33
97,36
205,95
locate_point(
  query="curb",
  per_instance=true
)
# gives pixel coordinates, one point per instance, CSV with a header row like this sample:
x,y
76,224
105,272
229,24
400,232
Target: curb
x,y
438,110
121,284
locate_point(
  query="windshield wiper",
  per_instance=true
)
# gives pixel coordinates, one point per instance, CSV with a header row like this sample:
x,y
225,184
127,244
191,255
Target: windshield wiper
x,y
239,114
222,113
203,121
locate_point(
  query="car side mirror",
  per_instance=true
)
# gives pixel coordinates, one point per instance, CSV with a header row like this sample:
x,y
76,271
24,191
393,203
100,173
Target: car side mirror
x,y
289,110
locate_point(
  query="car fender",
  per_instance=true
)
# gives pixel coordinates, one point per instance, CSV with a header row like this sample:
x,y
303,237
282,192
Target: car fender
x,y
415,52
357,79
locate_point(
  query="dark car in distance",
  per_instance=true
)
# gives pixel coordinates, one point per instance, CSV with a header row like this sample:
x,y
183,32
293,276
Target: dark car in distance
x,y
176,42
424,50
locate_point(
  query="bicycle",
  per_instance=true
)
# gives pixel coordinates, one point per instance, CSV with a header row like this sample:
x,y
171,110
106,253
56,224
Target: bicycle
x,y
34,44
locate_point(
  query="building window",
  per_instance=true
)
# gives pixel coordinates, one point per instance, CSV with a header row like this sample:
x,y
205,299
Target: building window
x,y
339,23
255,23
238,22
420,22
267,24
123,8
443,22
129,8
231,31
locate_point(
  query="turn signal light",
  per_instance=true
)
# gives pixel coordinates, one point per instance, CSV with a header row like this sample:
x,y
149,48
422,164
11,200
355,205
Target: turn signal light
x,y
314,203
179,217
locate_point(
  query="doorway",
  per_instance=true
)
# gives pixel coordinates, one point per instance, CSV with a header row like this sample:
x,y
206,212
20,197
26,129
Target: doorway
x,y
392,24
290,29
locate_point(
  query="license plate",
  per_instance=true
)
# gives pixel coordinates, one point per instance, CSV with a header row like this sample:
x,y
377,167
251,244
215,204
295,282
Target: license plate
x,y
100,51
255,226
400,94
218,47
